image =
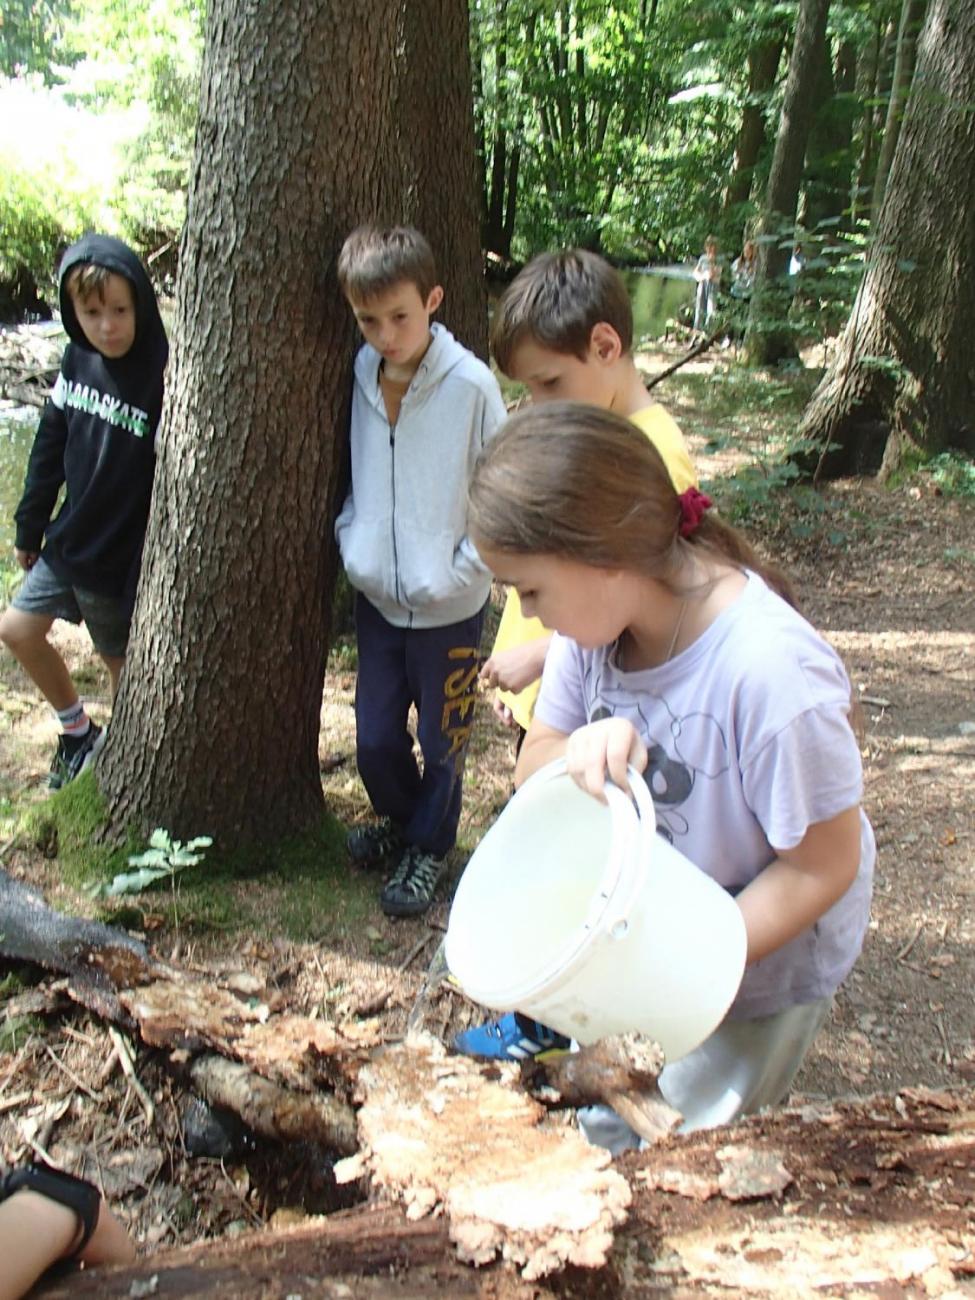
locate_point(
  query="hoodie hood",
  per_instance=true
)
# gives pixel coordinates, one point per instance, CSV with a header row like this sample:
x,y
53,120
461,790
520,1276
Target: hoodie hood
x,y
151,347
442,356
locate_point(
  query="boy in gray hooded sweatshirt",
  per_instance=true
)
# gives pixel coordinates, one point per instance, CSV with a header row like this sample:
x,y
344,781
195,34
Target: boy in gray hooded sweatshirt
x,y
423,407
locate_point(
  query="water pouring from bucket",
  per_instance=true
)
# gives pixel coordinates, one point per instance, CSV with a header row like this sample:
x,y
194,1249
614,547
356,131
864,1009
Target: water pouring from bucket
x,y
578,914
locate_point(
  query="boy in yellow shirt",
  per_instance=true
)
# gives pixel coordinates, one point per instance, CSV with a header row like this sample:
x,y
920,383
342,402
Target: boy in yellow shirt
x,y
564,329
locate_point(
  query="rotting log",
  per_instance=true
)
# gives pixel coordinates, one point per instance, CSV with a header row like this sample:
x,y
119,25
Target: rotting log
x,y
273,1111
873,1196
98,959
450,1136
526,1188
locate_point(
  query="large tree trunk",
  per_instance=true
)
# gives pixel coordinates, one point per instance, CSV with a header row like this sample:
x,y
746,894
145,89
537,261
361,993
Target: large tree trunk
x,y
309,124
766,340
903,373
763,64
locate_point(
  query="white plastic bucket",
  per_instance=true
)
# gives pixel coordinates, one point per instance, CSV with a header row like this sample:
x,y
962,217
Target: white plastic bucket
x,y
579,914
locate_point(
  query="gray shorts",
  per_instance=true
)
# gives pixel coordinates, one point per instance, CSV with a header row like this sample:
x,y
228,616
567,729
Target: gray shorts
x,y
106,617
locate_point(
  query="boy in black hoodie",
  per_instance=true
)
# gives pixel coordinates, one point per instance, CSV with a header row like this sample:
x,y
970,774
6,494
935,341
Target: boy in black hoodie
x,y
97,439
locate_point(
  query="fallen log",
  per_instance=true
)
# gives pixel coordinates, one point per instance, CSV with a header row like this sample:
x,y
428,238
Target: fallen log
x,y
273,1111
444,1135
872,1197
859,1196
697,350
98,959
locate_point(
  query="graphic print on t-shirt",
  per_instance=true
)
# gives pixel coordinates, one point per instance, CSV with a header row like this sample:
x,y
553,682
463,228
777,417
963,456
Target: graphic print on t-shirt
x,y
680,750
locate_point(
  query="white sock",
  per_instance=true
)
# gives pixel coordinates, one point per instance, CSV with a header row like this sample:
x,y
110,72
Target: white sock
x,y
74,721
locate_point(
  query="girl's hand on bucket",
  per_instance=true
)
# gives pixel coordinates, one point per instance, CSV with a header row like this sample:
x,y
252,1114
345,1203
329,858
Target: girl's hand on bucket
x,y
604,748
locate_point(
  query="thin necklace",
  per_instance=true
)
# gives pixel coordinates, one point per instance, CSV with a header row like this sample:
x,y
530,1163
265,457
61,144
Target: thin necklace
x,y
673,640
625,637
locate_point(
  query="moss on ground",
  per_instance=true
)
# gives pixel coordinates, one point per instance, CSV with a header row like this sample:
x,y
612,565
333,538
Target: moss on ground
x,y
300,888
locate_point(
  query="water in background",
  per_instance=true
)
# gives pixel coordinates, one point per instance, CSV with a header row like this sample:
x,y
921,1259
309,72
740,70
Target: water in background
x,y
18,424
657,294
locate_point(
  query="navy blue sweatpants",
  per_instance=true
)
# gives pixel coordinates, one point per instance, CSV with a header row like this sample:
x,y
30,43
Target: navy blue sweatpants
x,y
436,669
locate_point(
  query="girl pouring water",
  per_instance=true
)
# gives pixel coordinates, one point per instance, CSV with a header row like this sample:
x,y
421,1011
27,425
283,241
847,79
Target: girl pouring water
x,y
678,653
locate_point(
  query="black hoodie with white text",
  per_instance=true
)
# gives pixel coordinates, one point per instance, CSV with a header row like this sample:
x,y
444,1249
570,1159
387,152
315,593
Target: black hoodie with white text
x,y
97,437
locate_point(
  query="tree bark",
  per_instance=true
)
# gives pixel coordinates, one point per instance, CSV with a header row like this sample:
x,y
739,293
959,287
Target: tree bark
x,y
903,374
309,124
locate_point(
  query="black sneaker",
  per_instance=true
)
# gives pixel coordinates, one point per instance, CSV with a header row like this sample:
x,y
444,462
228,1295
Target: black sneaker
x,y
375,845
411,888
73,755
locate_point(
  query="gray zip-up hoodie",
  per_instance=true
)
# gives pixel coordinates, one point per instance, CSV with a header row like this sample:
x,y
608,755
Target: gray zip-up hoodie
x,y
403,529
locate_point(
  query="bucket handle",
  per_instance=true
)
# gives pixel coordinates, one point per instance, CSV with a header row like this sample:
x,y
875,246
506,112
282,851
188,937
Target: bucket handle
x,y
616,924
638,799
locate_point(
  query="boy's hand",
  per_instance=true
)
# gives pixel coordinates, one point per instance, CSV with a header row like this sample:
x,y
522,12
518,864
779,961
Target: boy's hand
x,y
514,669
502,712
604,748
26,559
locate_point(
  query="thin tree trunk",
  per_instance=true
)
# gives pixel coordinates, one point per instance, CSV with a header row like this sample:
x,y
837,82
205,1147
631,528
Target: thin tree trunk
x,y
436,186
903,373
826,183
499,153
912,17
866,89
766,339
763,65
873,117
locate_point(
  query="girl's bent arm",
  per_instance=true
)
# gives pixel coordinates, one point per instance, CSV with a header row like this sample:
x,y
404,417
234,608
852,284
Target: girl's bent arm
x,y
542,744
800,884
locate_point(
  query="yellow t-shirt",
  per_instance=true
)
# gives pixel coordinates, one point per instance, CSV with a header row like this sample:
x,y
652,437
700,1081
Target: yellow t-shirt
x,y
514,629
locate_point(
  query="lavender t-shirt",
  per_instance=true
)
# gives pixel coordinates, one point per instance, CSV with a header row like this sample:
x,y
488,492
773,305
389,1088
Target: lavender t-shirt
x,y
749,743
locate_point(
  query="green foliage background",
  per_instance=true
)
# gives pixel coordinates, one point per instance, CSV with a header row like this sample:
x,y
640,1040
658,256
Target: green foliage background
x,y
620,119
97,114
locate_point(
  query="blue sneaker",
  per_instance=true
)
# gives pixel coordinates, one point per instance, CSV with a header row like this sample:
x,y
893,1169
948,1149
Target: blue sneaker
x,y
512,1038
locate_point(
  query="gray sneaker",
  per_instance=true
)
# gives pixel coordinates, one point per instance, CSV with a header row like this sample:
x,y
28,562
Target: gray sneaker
x,y
73,755
375,845
411,888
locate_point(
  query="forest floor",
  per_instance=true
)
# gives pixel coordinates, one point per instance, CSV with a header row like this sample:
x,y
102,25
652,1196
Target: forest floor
x,y
888,575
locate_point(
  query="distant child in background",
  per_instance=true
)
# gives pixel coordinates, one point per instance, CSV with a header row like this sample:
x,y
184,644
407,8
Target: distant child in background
x,y
679,653
743,270
423,408
564,328
96,439
707,273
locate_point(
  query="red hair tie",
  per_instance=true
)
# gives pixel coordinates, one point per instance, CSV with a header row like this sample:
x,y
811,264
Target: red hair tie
x,y
692,507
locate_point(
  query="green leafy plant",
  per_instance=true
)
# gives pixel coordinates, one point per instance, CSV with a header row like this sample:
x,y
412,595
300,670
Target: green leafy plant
x,y
953,473
164,859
